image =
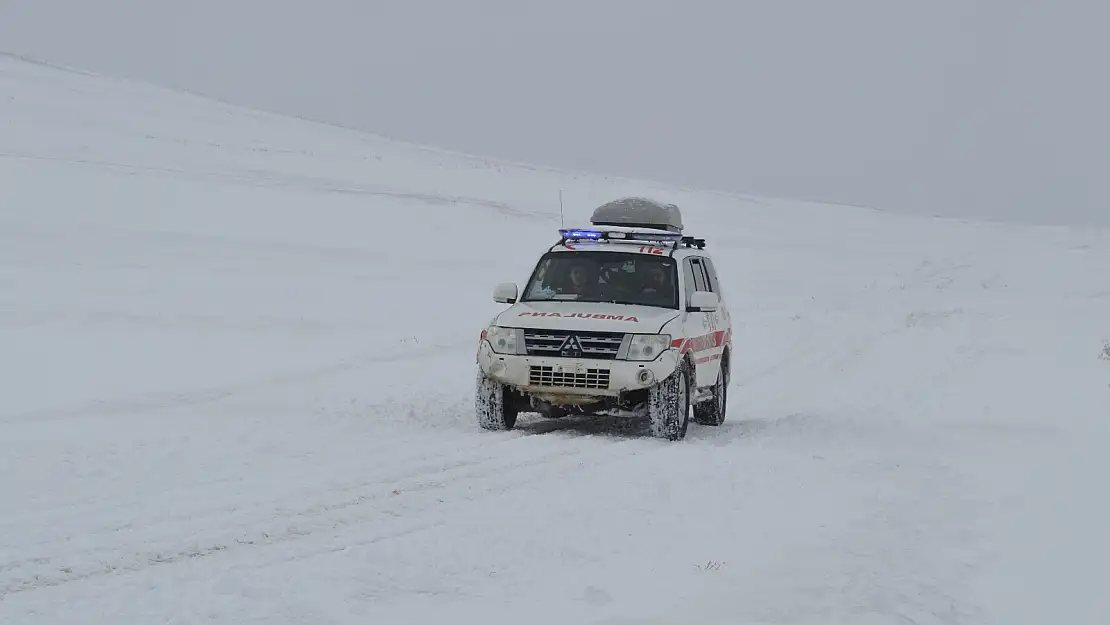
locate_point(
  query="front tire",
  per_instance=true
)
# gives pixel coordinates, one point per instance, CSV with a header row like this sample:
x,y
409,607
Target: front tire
x,y
669,405
493,405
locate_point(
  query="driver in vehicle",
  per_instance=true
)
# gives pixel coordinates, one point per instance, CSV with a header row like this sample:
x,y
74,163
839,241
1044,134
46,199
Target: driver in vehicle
x,y
657,286
656,281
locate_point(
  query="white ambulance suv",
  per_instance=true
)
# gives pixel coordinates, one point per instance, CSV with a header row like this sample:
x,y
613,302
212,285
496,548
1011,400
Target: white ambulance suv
x,y
624,318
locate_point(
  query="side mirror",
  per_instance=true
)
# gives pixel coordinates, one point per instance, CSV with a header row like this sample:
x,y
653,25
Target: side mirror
x,y
505,293
704,301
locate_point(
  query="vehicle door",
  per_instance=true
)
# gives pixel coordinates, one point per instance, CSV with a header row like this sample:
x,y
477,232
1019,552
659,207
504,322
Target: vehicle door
x,y
722,318
700,326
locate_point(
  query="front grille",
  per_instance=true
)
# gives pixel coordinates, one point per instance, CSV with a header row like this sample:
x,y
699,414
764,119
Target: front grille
x,y
547,376
598,345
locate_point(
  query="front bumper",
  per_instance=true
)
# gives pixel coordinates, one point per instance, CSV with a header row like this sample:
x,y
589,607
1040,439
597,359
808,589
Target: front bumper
x,y
574,380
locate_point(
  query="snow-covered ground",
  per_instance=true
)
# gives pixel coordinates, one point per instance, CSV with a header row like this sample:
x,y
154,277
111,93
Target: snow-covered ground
x,y
237,357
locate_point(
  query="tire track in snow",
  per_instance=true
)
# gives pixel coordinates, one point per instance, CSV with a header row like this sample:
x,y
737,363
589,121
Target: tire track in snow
x,y
83,319
413,495
413,465
156,401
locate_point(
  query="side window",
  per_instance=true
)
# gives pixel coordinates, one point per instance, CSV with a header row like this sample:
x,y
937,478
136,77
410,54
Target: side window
x,y
712,272
689,279
700,281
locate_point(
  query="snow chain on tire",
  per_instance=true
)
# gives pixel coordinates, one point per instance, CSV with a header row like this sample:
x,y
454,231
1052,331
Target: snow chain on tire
x,y
491,407
712,411
669,405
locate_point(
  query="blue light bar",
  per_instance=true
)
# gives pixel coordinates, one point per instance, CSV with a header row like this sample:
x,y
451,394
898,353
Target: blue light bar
x,y
618,234
579,234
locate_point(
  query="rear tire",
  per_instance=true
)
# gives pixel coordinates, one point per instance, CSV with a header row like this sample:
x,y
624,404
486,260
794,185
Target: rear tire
x,y
712,410
493,405
669,405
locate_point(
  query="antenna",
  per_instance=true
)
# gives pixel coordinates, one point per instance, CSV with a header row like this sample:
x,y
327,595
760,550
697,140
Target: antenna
x,y
561,224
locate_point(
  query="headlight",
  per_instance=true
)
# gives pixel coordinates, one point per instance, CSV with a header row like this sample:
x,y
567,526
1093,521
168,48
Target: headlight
x,y
504,340
648,346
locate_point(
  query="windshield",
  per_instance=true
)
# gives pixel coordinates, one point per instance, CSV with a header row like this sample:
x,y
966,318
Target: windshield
x,y
610,277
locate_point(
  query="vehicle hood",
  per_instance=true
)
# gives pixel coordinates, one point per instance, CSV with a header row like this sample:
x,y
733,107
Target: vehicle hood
x,y
583,316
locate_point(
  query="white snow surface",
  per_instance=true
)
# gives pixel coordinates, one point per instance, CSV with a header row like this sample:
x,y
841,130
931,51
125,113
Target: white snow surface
x,y
237,363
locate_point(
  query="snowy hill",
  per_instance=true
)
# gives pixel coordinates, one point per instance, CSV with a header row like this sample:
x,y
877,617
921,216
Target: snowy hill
x,y
238,350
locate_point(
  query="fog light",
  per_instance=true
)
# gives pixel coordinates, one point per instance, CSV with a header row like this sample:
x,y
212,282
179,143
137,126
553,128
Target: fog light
x,y
497,368
646,377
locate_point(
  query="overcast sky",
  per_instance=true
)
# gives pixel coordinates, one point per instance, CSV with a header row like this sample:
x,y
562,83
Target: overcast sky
x,y
983,108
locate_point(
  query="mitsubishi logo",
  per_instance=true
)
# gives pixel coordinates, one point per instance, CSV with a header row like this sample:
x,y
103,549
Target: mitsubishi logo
x,y
571,347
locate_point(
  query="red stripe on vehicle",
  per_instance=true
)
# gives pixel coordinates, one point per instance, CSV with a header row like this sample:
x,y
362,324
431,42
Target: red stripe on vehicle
x,y
704,342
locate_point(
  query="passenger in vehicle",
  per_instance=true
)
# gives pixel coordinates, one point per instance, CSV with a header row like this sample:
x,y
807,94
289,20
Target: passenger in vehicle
x,y
582,280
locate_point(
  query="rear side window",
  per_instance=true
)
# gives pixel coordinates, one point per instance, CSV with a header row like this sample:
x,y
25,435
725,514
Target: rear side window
x,y
711,271
688,279
701,282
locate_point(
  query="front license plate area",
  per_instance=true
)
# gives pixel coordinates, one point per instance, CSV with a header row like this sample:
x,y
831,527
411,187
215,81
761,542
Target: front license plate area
x,y
576,368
